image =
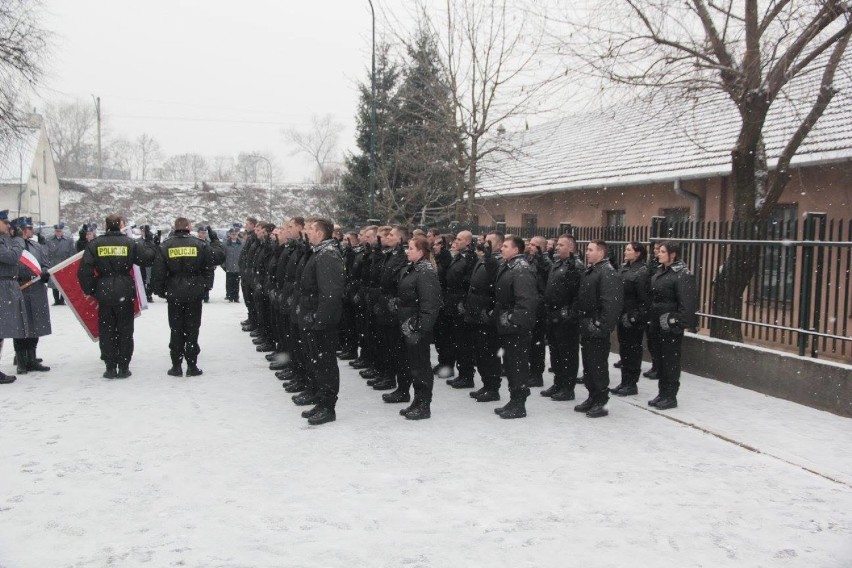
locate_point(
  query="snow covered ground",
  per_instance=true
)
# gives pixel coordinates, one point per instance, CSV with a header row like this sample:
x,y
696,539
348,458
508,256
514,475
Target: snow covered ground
x,y
220,471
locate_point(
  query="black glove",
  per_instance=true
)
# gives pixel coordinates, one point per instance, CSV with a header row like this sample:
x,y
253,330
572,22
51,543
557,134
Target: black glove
x,y
393,305
669,322
157,238
505,321
213,235
411,331
45,277
591,328
625,321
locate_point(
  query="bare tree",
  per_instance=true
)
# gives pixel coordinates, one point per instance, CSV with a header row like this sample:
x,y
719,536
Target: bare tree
x,y
120,155
23,43
748,50
319,143
185,167
148,153
492,56
222,168
255,166
71,127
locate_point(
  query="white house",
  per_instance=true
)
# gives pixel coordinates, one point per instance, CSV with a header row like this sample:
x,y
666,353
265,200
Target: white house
x,y
28,182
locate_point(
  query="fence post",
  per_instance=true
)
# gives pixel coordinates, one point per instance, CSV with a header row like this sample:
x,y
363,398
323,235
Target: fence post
x,y
806,280
565,228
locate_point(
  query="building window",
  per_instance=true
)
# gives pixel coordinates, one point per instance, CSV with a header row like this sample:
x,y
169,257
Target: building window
x,y
615,218
529,221
676,215
778,264
499,217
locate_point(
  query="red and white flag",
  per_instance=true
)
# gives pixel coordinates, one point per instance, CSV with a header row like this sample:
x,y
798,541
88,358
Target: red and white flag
x,y
28,260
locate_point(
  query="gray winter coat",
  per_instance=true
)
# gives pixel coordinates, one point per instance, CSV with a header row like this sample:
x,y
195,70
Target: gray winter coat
x,y
233,249
36,305
12,321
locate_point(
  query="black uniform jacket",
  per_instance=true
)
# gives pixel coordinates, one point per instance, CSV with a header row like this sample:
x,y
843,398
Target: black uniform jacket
x,y
599,300
636,298
419,295
321,288
183,268
458,281
563,285
386,307
515,297
479,304
673,292
104,271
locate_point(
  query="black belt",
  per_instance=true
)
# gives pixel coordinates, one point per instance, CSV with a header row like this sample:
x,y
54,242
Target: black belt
x,y
8,277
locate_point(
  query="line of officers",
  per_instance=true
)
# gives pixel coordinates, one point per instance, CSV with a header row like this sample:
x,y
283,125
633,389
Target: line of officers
x,y
385,294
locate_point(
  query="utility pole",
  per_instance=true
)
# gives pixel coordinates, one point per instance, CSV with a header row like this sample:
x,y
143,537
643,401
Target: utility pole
x,y
100,158
373,117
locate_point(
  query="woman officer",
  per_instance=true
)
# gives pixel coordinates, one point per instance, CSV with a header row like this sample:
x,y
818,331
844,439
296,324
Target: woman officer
x,y
631,325
419,294
674,303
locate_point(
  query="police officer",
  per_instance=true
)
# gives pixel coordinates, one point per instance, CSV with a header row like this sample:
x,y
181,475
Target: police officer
x,y
634,315
204,235
233,251
540,263
104,273
515,306
653,268
479,314
12,322
443,328
674,303
59,248
598,307
260,291
245,263
355,257
36,307
182,273
320,302
563,329
280,358
458,282
378,372
386,308
419,296
360,300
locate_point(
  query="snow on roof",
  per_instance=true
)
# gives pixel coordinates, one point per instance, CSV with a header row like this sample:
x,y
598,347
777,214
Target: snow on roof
x,y
660,141
16,156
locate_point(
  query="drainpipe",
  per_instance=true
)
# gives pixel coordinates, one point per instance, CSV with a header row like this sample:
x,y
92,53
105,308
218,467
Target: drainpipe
x,y
694,197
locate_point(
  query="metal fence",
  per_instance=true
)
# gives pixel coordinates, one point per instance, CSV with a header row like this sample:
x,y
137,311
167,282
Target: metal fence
x,y
798,298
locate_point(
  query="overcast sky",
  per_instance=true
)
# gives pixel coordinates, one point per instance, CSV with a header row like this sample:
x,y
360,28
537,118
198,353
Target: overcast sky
x,y
212,77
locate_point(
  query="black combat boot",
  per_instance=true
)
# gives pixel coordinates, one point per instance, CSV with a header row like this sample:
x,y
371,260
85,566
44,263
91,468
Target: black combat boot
x,y
536,380
667,403
245,322
266,347
656,400
312,411
387,383
650,374
462,383
359,364
278,365
598,410
7,379
625,389
177,368
192,370
488,396
586,405
398,395
617,364
271,356
34,364
111,371
123,372
477,392
420,410
323,415
286,374
306,398
548,392
348,355
369,373
298,384
516,407
564,393
22,362
410,407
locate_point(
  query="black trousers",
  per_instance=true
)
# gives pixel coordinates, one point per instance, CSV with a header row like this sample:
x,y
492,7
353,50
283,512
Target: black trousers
x,y
392,355
321,346
516,358
443,334
485,349
630,350
418,367
261,315
115,330
248,299
282,325
668,346
274,306
596,367
564,340
232,286
348,335
463,347
299,351
652,344
537,346
362,328
57,297
185,322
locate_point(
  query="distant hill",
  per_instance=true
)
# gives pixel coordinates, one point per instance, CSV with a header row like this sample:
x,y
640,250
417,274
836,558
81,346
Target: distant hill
x,y
159,202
